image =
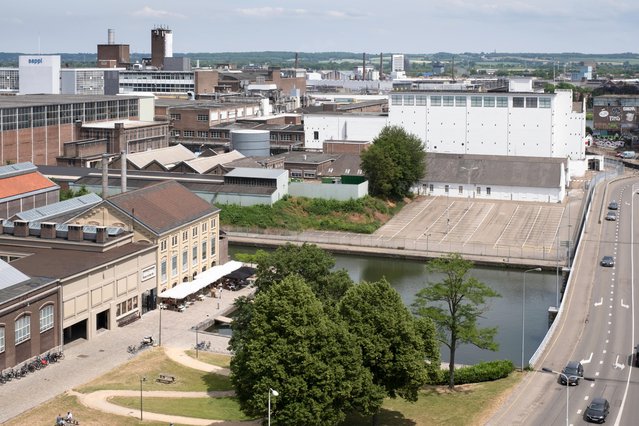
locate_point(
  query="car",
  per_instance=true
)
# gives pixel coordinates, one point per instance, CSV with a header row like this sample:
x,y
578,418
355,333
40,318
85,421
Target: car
x,y
613,205
572,372
597,410
608,261
611,216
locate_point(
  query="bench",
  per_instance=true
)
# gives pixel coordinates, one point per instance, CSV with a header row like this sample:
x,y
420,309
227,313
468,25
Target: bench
x,y
166,378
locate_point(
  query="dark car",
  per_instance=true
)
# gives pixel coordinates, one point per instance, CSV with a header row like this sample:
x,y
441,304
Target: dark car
x,y
572,372
611,216
613,205
608,261
597,410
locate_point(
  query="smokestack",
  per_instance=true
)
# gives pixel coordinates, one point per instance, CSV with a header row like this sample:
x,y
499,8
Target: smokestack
x,y
123,172
381,65
111,36
452,71
364,66
296,60
105,176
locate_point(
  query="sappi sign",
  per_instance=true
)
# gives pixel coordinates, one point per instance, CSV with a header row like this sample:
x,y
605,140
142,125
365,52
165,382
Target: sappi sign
x,y
35,61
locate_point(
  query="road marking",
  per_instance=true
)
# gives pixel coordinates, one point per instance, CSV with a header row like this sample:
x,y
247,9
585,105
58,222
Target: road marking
x,y
601,362
592,385
586,398
610,314
596,374
599,303
587,361
579,411
604,351
624,306
617,365
606,340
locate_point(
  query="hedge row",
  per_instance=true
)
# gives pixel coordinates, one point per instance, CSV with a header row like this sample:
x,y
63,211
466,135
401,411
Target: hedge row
x,y
482,372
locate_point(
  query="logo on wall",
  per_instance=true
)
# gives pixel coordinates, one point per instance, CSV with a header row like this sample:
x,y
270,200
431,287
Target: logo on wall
x,y
35,61
603,113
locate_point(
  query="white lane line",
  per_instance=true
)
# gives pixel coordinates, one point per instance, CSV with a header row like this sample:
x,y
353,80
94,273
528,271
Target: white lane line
x,y
623,305
596,374
617,365
599,303
592,385
586,398
587,361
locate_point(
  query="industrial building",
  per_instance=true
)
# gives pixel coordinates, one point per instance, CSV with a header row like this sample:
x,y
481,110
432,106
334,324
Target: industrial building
x,y
615,113
23,187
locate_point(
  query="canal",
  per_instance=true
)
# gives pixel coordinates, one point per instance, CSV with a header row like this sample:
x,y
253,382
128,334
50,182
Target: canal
x,y
408,277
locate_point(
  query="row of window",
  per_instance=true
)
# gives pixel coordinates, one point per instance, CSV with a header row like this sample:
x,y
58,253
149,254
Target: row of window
x,y
185,234
127,306
200,134
185,258
475,101
23,326
460,189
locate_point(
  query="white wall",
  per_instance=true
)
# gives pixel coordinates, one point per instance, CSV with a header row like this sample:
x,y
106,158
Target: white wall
x,y
327,191
39,74
341,127
514,193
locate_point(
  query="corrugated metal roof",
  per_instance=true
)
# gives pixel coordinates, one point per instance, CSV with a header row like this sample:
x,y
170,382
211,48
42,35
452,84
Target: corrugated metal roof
x,y
10,276
249,172
204,164
16,169
22,184
169,155
60,208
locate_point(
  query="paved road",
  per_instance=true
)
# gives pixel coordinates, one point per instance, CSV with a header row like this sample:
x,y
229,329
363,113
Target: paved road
x,y
86,360
598,329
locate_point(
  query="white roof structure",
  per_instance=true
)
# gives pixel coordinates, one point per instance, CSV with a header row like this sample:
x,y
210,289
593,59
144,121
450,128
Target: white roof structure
x,y
204,164
165,156
11,276
207,277
249,172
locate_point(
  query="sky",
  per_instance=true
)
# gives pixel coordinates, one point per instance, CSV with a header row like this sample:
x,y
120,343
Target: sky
x,y
400,26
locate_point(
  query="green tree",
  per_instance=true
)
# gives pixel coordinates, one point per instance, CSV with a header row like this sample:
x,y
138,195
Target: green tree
x,y
390,339
394,163
454,305
287,342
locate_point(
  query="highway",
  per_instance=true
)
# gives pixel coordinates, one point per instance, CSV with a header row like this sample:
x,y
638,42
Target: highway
x,y
598,327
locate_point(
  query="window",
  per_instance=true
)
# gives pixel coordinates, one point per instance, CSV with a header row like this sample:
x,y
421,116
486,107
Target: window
x,y
23,329
460,189
435,101
202,117
189,133
488,190
212,223
174,265
316,135
475,101
448,100
431,187
194,257
213,245
176,116
446,188
420,100
163,245
479,190
460,101
195,231
502,102
518,102
2,339
544,102
46,318
185,259
489,101
163,277
185,235
396,99
204,252
531,102
126,306
202,134
285,137
174,240
175,133
205,226
409,100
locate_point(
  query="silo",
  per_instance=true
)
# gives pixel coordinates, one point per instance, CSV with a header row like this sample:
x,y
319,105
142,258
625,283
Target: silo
x,y
251,143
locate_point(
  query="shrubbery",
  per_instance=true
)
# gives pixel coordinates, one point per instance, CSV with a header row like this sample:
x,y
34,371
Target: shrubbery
x,y
482,372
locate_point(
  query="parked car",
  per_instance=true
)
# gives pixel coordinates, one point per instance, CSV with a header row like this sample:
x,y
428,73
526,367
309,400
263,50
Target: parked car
x,y
572,372
597,410
608,261
611,216
613,205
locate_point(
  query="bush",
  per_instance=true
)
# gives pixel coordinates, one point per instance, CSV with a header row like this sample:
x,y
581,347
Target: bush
x,y
482,372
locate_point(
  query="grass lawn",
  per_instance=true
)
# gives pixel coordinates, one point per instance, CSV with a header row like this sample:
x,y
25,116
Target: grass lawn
x,y
220,360
466,405
204,408
150,364
46,413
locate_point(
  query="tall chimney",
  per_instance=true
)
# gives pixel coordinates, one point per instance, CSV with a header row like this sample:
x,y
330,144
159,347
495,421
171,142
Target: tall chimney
x,y
123,172
381,65
296,60
20,228
111,36
105,176
364,66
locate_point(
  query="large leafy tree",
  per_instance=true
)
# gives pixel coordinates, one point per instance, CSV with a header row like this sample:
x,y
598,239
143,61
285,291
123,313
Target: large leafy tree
x,y
455,304
393,163
289,343
390,339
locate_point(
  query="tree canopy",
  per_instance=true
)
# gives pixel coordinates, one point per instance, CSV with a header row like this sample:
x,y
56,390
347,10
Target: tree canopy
x,y
454,304
393,163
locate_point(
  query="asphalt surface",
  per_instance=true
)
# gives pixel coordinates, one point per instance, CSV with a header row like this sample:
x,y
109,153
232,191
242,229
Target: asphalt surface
x,y
597,329
87,360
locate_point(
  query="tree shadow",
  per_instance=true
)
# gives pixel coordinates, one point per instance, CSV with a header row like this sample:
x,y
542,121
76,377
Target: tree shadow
x,y
385,417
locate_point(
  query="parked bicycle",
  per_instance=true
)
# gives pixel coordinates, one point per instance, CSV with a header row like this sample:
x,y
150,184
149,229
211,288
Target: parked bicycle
x,y
132,349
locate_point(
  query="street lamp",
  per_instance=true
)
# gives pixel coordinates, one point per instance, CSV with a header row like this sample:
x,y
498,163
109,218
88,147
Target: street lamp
x,y
567,377
523,315
274,393
160,339
142,379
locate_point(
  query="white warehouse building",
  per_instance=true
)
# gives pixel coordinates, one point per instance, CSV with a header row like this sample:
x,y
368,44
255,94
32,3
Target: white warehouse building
x,y
320,127
515,123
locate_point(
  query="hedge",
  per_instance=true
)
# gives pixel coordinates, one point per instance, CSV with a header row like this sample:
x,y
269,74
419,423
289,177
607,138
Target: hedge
x,y
482,372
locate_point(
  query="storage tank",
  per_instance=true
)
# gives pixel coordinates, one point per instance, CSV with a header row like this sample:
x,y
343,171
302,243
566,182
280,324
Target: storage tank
x,y
251,143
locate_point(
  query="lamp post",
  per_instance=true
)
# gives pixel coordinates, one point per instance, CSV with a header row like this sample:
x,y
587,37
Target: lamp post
x,y
160,339
274,393
567,377
142,379
523,315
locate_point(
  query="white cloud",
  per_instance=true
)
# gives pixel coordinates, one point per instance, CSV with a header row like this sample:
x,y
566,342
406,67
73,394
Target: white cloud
x,y
11,20
270,12
338,14
147,12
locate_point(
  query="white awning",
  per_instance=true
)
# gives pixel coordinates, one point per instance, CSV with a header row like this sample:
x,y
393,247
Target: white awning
x,y
205,278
